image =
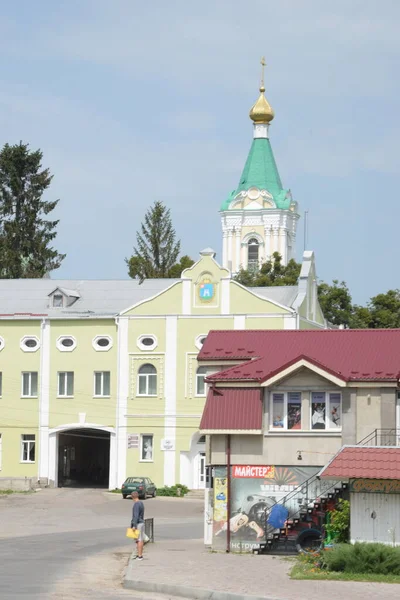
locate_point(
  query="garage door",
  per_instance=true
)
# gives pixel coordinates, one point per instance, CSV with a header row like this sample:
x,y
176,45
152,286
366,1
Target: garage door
x,y
375,518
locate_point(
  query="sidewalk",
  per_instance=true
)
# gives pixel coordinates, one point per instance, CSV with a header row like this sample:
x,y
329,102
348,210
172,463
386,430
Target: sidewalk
x,y
185,568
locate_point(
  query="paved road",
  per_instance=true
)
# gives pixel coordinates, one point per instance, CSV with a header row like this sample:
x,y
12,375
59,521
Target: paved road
x,y
83,550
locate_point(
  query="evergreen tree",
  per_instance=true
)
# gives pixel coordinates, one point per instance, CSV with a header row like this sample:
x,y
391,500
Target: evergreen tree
x,y
157,250
25,234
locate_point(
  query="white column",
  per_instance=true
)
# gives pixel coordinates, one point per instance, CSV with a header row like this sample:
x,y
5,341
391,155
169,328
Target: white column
x,y
44,401
239,322
225,296
267,247
275,233
230,241
119,467
283,246
186,296
238,240
225,249
171,342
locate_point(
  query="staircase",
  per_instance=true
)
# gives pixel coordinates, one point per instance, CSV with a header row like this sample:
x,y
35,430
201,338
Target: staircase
x,y
308,505
303,531
195,495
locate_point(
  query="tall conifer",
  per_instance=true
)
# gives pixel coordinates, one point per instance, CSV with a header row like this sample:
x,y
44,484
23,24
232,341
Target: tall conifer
x,y
25,233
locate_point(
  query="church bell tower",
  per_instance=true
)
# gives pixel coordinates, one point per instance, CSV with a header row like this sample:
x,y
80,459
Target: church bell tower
x,y
259,217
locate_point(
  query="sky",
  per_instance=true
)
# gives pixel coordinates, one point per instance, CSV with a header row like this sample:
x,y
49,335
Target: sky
x,y
132,102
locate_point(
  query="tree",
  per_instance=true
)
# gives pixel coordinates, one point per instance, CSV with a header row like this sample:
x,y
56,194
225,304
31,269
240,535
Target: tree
x,y
25,234
271,273
384,310
185,262
336,303
157,250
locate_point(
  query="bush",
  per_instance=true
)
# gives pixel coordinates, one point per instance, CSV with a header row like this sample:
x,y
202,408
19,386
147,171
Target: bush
x,y
340,522
173,490
362,558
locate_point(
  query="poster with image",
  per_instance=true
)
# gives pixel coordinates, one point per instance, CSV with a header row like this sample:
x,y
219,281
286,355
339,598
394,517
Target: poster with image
x,y
254,490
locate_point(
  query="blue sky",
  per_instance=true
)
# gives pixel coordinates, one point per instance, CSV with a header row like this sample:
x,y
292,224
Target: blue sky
x,y
132,102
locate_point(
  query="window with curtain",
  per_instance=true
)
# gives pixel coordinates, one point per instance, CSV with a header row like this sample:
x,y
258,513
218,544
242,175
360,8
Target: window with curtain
x,y
147,380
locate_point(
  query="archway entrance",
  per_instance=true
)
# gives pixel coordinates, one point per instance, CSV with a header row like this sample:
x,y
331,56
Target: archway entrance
x,y
83,458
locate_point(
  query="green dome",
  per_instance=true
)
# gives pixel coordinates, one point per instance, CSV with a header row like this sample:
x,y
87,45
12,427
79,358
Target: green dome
x,y
260,171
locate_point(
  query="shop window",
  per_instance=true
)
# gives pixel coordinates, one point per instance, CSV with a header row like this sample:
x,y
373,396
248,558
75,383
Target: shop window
x,y
326,410
147,380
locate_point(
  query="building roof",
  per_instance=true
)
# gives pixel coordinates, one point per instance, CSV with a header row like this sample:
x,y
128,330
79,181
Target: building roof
x,y
30,297
282,294
96,298
349,354
260,171
232,409
369,462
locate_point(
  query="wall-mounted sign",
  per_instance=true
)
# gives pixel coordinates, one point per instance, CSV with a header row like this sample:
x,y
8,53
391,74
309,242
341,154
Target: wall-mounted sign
x,y
133,440
253,471
167,444
375,486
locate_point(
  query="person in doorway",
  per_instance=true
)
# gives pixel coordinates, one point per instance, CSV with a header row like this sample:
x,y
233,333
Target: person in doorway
x,y
138,523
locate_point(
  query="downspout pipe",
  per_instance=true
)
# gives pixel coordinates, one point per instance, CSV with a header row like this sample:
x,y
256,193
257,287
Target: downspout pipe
x,y
228,504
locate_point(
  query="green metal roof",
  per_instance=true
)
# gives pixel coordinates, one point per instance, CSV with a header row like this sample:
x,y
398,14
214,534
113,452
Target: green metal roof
x,y
261,171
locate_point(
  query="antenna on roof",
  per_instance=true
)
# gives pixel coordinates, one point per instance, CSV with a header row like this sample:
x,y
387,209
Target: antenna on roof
x,y
305,230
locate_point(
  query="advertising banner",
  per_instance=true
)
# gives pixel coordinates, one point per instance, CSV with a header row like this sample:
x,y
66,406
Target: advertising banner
x,y
254,490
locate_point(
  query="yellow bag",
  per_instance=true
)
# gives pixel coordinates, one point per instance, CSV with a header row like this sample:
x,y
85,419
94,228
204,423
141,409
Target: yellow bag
x,y
132,533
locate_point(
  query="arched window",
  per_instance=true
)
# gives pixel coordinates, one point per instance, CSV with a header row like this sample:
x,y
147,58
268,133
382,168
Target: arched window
x,y
147,381
200,383
252,253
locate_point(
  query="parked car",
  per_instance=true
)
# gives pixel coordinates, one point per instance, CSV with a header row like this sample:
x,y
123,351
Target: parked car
x,y
142,485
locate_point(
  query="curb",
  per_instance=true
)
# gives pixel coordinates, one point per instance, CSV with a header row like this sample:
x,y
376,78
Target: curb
x,y
180,590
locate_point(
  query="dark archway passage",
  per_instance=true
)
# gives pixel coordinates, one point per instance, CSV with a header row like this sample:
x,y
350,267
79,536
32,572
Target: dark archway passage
x,y
83,458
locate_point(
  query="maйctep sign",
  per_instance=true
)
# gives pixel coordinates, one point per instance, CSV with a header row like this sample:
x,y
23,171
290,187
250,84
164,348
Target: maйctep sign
x,y
253,471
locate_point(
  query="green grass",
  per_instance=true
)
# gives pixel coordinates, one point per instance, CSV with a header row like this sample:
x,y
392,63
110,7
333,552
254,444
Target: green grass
x,y
307,571
8,492
117,491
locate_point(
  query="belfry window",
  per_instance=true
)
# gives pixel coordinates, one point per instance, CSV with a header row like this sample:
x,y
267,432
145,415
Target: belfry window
x,y
253,248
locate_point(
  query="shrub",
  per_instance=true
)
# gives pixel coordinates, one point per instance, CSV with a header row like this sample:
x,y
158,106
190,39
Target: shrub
x,y
340,522
173,490
363,558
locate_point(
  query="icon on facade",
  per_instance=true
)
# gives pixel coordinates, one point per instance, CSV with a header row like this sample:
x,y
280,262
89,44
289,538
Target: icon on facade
x,y
206,290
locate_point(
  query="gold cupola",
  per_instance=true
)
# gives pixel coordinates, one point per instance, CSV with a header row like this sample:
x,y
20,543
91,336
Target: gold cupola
x,y
262,112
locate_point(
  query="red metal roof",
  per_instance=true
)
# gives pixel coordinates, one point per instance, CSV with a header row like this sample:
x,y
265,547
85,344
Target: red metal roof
x,y
353,462
350,354
229,409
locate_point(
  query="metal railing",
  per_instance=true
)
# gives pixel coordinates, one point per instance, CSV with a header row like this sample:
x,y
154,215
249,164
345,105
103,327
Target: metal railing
x,y
381,437
149,529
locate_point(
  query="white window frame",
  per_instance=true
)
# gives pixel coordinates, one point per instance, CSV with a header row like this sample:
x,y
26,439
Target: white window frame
x,y
95,343
146,377
25,348
62,348
29,373
2,343
102,395
328,426
28,443
198,376
285,410
58,295
198,338
142,436
66,384
143,346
